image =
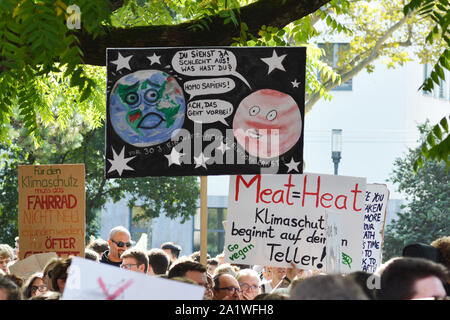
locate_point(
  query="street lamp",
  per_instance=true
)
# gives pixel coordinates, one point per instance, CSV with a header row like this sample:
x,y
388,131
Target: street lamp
x,y
336,148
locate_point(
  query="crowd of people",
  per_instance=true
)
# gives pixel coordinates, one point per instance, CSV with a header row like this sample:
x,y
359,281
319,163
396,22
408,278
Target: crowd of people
x,y
422,272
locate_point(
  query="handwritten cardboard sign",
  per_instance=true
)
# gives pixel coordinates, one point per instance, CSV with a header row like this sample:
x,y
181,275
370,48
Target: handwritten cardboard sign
x,y
34,263
376,199
275,219
52,209
204,111
89,280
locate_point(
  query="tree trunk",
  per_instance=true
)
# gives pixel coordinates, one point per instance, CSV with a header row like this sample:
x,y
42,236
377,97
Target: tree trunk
x,y
277,13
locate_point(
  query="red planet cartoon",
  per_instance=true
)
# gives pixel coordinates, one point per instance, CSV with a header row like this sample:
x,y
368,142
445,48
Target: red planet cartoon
x,y
267,123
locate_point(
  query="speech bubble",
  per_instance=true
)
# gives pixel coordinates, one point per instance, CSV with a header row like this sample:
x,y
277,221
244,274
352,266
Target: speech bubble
x,y
208,86
209,110
206,62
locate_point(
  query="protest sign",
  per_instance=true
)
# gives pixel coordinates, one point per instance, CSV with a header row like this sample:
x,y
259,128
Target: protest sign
x,y
52,209
204,111
34,263
376,199
275,219
89,280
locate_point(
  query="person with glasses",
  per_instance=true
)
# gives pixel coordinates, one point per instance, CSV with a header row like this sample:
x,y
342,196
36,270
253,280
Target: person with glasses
x,y
226,287
35,285
119,241
249,282
135,260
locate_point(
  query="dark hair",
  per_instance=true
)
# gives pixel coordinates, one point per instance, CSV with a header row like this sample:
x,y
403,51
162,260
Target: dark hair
x,y
138,254
179,269
175,249
28,286
361,277
91,255
400,274
98,245
59,271
16,279
271,296
13,291
421,250
158,260
213,262
327,287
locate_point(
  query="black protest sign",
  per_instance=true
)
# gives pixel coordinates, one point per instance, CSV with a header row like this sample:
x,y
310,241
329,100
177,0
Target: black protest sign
x,y
204,111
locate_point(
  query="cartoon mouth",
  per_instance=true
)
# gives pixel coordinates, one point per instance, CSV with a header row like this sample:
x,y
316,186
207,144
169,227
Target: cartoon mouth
x,y
133,117
151,120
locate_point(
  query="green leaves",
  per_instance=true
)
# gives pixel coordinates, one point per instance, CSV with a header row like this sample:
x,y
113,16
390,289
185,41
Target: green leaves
x,y
436,145
425,216
439,12
35,43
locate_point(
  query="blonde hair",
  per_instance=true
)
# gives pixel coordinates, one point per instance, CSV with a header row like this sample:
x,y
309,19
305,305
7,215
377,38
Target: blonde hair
x,y
6,251
225,268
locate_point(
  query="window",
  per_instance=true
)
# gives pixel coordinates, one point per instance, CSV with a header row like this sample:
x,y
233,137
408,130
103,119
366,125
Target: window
x,y
216,232
334,53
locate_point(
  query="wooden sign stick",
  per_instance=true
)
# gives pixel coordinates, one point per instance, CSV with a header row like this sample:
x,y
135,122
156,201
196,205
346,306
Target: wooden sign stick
x,y
203,219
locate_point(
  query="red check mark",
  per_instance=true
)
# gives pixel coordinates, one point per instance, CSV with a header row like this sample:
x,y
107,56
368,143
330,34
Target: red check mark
x,y
117,292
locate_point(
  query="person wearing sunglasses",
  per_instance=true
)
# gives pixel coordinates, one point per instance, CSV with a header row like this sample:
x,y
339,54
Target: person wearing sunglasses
x,y
119,241
35,285
226,287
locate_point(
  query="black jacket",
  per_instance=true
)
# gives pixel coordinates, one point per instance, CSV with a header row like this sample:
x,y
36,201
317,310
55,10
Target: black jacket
x,y
105,259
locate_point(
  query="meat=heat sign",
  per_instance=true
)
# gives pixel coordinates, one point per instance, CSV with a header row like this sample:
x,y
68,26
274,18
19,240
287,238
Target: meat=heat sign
x,y
204,111
274,220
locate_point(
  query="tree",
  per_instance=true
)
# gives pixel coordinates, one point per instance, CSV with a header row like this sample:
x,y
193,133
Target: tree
x,y
35,42
175,196
425,217
437,143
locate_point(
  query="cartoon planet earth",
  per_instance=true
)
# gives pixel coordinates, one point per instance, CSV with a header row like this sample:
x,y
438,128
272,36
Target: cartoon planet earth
x,y
267,123
146,107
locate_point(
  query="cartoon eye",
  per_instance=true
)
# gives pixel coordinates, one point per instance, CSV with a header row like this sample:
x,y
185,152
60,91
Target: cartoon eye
x,y
132,98
151,95
271,115
254,110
